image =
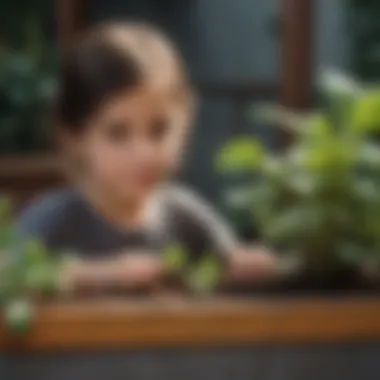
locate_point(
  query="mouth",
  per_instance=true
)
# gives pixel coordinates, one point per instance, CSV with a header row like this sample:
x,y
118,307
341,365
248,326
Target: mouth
x,y
145,180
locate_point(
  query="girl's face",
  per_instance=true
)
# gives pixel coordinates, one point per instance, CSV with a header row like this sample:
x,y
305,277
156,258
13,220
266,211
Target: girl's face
x,y
133,143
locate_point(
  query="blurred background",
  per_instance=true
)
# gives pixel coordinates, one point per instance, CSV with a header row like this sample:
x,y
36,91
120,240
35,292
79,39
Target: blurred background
x,y
238,52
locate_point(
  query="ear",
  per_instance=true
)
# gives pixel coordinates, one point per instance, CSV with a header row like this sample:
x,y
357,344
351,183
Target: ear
x,y
69,142
69,145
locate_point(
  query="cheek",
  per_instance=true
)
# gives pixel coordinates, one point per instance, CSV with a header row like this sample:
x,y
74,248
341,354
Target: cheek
x,y
105,160
169,154
170,157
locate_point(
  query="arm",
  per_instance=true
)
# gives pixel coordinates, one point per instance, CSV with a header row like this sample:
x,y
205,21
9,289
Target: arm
x,y
247,265
132,271
49,219
244,264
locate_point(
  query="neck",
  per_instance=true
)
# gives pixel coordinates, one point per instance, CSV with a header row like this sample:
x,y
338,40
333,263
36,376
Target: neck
x,y
127,213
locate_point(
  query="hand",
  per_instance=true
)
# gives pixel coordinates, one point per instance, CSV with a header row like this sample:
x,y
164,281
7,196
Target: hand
x,y
138,270
369,269
250,265
131,271
71,275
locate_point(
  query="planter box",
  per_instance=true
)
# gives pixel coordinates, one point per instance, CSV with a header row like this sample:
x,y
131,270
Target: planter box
x,y
22,178
295,339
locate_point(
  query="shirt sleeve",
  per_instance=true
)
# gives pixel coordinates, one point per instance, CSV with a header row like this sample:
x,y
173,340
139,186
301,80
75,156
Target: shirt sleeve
x,y
203,224
41,219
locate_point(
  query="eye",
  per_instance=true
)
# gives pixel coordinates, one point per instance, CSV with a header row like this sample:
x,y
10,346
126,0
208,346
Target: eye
x,y
159,128
118,131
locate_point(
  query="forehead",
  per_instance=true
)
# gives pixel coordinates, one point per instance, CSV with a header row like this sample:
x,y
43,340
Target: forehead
x,y
144,100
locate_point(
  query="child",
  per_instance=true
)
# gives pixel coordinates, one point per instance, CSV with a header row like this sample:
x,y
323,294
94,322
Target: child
x,y
123,114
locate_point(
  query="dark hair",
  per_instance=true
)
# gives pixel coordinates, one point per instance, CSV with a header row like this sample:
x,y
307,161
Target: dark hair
x,y
102,64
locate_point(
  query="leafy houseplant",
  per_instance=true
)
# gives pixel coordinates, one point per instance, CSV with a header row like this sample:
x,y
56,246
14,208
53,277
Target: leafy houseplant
x,y
320,198
27,82
236,188
27,270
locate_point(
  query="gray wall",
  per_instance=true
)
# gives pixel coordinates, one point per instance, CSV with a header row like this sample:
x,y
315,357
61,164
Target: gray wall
x,y
332,44
222,39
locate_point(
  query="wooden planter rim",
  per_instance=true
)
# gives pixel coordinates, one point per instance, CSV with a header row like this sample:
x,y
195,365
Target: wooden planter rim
x,y
179,323
26,167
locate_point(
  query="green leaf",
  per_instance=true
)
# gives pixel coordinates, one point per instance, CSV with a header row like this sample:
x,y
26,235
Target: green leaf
x,y
42,279
35,278
5,210
351,253
205,276
336,84
175,258
341,92
317,130
238,197
369,156
18,315
265,202
272,168
35,252
278,116
7,233
241,154
5,288
366,191
366,113
299,222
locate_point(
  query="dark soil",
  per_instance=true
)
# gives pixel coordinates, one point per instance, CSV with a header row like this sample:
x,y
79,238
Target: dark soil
x,y
344,282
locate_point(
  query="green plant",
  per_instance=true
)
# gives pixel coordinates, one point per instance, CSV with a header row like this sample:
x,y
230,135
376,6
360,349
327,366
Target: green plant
x,y
235,165
320,198
28,66
27,270
200,277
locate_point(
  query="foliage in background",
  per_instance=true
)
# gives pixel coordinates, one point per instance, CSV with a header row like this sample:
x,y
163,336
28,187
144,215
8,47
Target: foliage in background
x,y
320,199
26,270
234,165
363,30
28,64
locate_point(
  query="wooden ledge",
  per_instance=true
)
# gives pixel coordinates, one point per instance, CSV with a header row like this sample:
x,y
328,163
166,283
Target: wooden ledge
x,y
22,178
161,323
26,167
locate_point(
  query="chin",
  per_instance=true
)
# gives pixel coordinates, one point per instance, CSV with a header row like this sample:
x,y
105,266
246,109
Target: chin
x,y
136,195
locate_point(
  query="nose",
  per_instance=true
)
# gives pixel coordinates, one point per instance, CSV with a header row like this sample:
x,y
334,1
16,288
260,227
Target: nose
x,y
144,150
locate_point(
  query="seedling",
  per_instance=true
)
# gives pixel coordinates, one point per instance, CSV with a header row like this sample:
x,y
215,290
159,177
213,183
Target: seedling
x,y
201,276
